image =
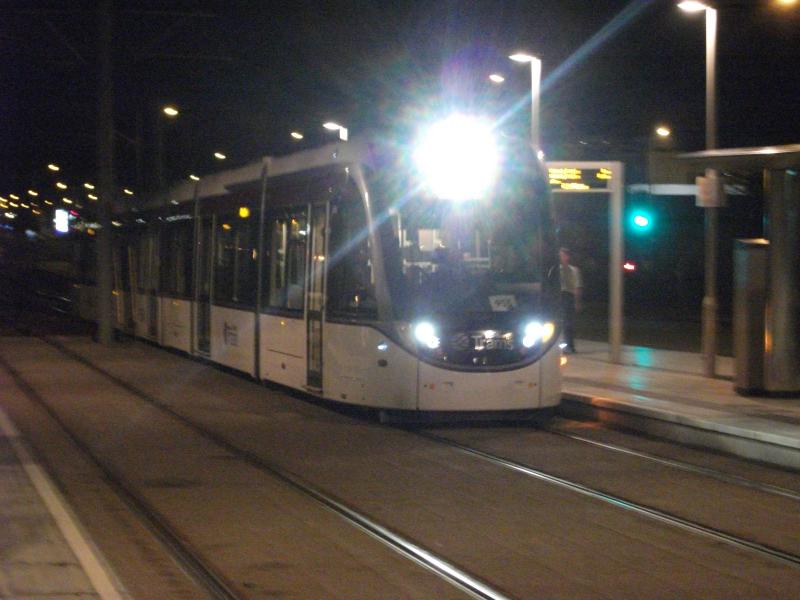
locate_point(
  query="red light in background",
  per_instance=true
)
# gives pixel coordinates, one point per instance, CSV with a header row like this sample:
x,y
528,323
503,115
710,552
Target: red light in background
x,y
629,266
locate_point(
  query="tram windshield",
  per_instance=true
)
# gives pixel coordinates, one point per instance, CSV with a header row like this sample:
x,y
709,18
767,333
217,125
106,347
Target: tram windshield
x,y
485,257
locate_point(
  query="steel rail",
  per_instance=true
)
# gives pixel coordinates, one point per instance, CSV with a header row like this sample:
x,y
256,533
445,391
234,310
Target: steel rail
x,y
682,465
445,569
647,511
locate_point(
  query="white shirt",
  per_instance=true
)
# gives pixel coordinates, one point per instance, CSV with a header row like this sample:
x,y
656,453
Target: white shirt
x,y
570,278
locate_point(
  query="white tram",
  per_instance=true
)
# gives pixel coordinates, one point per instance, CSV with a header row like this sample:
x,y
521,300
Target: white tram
x,y
360,273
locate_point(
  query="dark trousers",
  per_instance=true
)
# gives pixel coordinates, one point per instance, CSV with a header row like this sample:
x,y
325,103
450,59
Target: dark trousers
x,y
568,319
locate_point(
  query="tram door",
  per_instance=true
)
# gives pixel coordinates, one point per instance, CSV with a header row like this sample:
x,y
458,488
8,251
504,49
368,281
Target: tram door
x,y
151,289
203,285
316,296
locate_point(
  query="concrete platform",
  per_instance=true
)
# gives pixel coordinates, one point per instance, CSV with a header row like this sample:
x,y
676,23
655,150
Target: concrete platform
x,y
43,551
664,393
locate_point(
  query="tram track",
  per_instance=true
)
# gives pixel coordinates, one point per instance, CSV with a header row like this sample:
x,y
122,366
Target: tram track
x,y
452,573
464,581
198,569
719,475
764,550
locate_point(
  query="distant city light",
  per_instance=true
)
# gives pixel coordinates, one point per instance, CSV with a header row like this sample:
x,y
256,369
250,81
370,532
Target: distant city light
x,y
91,196
53,167
127,191
219,156
61,186
88,186
194,178
497,78
297,135
244,212
171,111
663,131
629,266
66,201
33,193
13,196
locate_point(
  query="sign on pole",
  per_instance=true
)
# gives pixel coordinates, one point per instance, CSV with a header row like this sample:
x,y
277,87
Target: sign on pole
x,y
581,177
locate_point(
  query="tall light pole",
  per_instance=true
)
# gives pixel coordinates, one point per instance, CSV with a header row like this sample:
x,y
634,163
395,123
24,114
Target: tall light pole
x,y
536,79
709,311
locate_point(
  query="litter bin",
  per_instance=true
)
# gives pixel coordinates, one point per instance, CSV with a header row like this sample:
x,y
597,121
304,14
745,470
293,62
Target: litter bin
x,y
750,264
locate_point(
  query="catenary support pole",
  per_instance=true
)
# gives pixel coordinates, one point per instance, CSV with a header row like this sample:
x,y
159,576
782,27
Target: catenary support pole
x,y
105,166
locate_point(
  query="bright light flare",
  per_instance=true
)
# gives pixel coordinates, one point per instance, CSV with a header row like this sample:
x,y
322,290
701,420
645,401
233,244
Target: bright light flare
x,y
663,131
496,78
457,158
629,266
171,111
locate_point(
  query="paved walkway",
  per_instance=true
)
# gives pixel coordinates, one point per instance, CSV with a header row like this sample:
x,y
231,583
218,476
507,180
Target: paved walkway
x,y
43,552
665,393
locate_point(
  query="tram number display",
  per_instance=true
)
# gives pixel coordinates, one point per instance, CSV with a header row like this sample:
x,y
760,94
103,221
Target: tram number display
x,y
573,179
502,302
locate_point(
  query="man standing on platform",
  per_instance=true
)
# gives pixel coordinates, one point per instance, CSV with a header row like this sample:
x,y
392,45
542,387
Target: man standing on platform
x,y
571,290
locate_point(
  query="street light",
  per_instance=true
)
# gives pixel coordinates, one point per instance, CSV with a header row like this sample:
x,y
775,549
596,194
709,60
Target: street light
x,y
53,167
536,78
709,311
171,111
496,78
297,135
219,156
663,131
331,126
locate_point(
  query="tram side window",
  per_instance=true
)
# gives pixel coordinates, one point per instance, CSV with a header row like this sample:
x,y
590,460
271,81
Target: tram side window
x,y
235,259
351,282
176,263
285,262
147,275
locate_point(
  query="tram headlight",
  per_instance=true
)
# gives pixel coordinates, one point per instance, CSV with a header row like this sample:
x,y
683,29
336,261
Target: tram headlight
x,y
425,334
457,158
536,331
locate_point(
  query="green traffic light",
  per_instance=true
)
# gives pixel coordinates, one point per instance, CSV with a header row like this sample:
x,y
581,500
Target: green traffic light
x,y
641,221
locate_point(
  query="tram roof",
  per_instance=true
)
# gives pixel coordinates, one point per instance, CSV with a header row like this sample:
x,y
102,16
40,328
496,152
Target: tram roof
x,y
224,182
765,157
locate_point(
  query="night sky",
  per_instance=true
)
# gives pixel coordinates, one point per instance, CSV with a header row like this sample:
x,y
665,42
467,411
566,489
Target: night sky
x,y
245,74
